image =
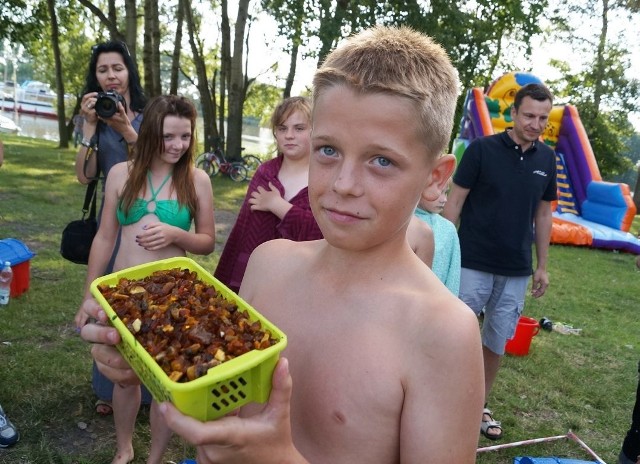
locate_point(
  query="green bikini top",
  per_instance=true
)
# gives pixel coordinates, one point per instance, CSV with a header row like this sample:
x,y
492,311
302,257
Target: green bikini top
x,y
168,211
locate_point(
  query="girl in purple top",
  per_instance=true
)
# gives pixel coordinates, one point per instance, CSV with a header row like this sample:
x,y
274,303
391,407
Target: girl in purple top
x,y
277,202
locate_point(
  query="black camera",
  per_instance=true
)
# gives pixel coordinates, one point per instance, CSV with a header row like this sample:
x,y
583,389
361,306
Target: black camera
x,y
107,103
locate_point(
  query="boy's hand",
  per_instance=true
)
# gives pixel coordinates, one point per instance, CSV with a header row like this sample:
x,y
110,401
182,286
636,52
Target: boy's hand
x,y
108,359
82,316
263,438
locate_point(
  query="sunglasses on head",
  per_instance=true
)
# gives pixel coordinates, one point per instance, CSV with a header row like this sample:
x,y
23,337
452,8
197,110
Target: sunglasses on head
x,y
95,48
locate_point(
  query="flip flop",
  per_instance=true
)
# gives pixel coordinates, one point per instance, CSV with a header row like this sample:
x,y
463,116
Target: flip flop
x,y
490,424
104,408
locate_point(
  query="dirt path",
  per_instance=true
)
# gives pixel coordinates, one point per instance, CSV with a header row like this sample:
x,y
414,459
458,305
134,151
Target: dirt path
x,y
224,223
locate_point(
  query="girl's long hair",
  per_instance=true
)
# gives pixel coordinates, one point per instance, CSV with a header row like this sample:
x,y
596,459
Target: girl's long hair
x,y
151,143
136,94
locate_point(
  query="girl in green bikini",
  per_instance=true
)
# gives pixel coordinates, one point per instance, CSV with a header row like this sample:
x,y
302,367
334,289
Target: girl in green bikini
x,y
154,197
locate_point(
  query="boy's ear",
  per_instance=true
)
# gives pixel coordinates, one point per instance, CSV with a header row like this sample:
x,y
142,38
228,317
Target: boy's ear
x,y
442,170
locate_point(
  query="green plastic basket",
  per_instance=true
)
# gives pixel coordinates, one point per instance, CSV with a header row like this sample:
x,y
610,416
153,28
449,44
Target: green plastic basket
x,y
225,387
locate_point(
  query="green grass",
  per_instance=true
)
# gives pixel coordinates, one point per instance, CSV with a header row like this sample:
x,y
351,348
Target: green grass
x,y
45,367
581,383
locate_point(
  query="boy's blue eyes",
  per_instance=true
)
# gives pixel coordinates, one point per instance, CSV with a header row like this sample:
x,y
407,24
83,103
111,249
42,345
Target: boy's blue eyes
x,y
382,161
329,151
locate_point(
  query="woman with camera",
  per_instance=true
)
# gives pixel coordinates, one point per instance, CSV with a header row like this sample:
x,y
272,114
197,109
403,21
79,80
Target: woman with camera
x,y
112,105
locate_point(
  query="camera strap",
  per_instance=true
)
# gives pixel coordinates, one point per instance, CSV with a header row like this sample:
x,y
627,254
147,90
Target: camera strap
x,y
90,200
90,150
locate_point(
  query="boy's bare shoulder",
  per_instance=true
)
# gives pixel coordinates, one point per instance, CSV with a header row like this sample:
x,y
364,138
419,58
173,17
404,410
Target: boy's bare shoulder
x,y
275,264
430,308
283,251
280,254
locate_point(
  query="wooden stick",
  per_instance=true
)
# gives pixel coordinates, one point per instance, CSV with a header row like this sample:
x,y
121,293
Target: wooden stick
x,y
584,445
569,435
520,443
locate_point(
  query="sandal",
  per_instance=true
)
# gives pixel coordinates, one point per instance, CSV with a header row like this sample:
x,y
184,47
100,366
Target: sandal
x,y
104,408
490,425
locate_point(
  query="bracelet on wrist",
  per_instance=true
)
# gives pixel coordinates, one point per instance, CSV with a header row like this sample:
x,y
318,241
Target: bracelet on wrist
x,y
86,143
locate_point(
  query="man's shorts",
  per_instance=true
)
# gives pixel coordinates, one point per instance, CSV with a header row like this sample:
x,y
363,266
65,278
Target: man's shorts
x,y
502,299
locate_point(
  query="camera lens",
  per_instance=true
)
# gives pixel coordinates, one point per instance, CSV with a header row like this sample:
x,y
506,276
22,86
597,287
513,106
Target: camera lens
x,y
106,105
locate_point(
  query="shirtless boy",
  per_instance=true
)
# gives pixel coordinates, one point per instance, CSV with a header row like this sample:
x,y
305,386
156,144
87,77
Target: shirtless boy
x,y
384,364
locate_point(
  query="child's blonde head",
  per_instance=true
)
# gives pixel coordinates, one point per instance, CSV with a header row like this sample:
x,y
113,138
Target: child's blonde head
x,y
402,62
286,108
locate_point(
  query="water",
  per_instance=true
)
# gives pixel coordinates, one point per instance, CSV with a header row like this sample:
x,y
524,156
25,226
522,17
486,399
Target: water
x,y
34,126
255,140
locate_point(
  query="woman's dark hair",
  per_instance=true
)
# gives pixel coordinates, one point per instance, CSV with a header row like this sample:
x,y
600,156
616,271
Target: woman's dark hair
x,y
136,94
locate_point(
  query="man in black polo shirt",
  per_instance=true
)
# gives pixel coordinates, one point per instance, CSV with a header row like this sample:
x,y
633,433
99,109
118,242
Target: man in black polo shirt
x,y
501,197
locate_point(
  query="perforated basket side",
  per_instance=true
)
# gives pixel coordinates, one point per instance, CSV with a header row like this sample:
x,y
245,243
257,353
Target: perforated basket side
x,y
212,400
152,382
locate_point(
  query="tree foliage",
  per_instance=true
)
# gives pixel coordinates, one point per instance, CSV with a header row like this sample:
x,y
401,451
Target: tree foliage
x,y
22,20
196,44
601,90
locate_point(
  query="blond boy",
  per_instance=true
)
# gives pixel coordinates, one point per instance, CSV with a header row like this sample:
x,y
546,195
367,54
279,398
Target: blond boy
x,y
384,365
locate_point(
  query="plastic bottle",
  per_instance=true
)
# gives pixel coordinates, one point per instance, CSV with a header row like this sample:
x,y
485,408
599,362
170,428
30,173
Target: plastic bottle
x,y
565,329
6,275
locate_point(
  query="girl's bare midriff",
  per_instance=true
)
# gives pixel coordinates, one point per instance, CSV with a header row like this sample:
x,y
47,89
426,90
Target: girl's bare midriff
x,y
132,254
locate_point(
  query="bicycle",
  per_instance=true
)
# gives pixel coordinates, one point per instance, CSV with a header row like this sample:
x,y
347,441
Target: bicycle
x,y
214,162
251,162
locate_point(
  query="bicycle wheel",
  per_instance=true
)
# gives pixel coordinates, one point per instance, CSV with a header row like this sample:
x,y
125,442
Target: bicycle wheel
x,y
208,163
238,172
200,157
251,162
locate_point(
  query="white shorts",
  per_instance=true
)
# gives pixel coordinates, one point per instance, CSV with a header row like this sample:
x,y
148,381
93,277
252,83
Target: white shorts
x,y
502,299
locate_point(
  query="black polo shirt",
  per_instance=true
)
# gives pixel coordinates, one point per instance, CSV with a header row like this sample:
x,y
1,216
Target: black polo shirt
x,y
506,186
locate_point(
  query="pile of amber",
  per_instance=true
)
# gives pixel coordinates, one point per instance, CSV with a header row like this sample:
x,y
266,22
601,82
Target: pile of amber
x,y
186,325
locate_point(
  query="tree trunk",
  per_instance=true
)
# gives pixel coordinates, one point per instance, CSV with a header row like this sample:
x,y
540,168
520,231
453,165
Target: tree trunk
x,y
155,51
131,24
64,136
206,99
175,58
236,87
110,21
151,53
147,49
292,71
225,65
600,64
330,26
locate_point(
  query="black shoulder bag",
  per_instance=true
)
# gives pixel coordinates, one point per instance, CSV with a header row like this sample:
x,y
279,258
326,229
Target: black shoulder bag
x,y
77,236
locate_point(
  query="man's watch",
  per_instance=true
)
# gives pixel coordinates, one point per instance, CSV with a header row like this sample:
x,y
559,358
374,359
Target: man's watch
x,y
86,143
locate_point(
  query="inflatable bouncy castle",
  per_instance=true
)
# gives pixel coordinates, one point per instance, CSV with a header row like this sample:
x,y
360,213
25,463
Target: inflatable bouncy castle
x,y
589,211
